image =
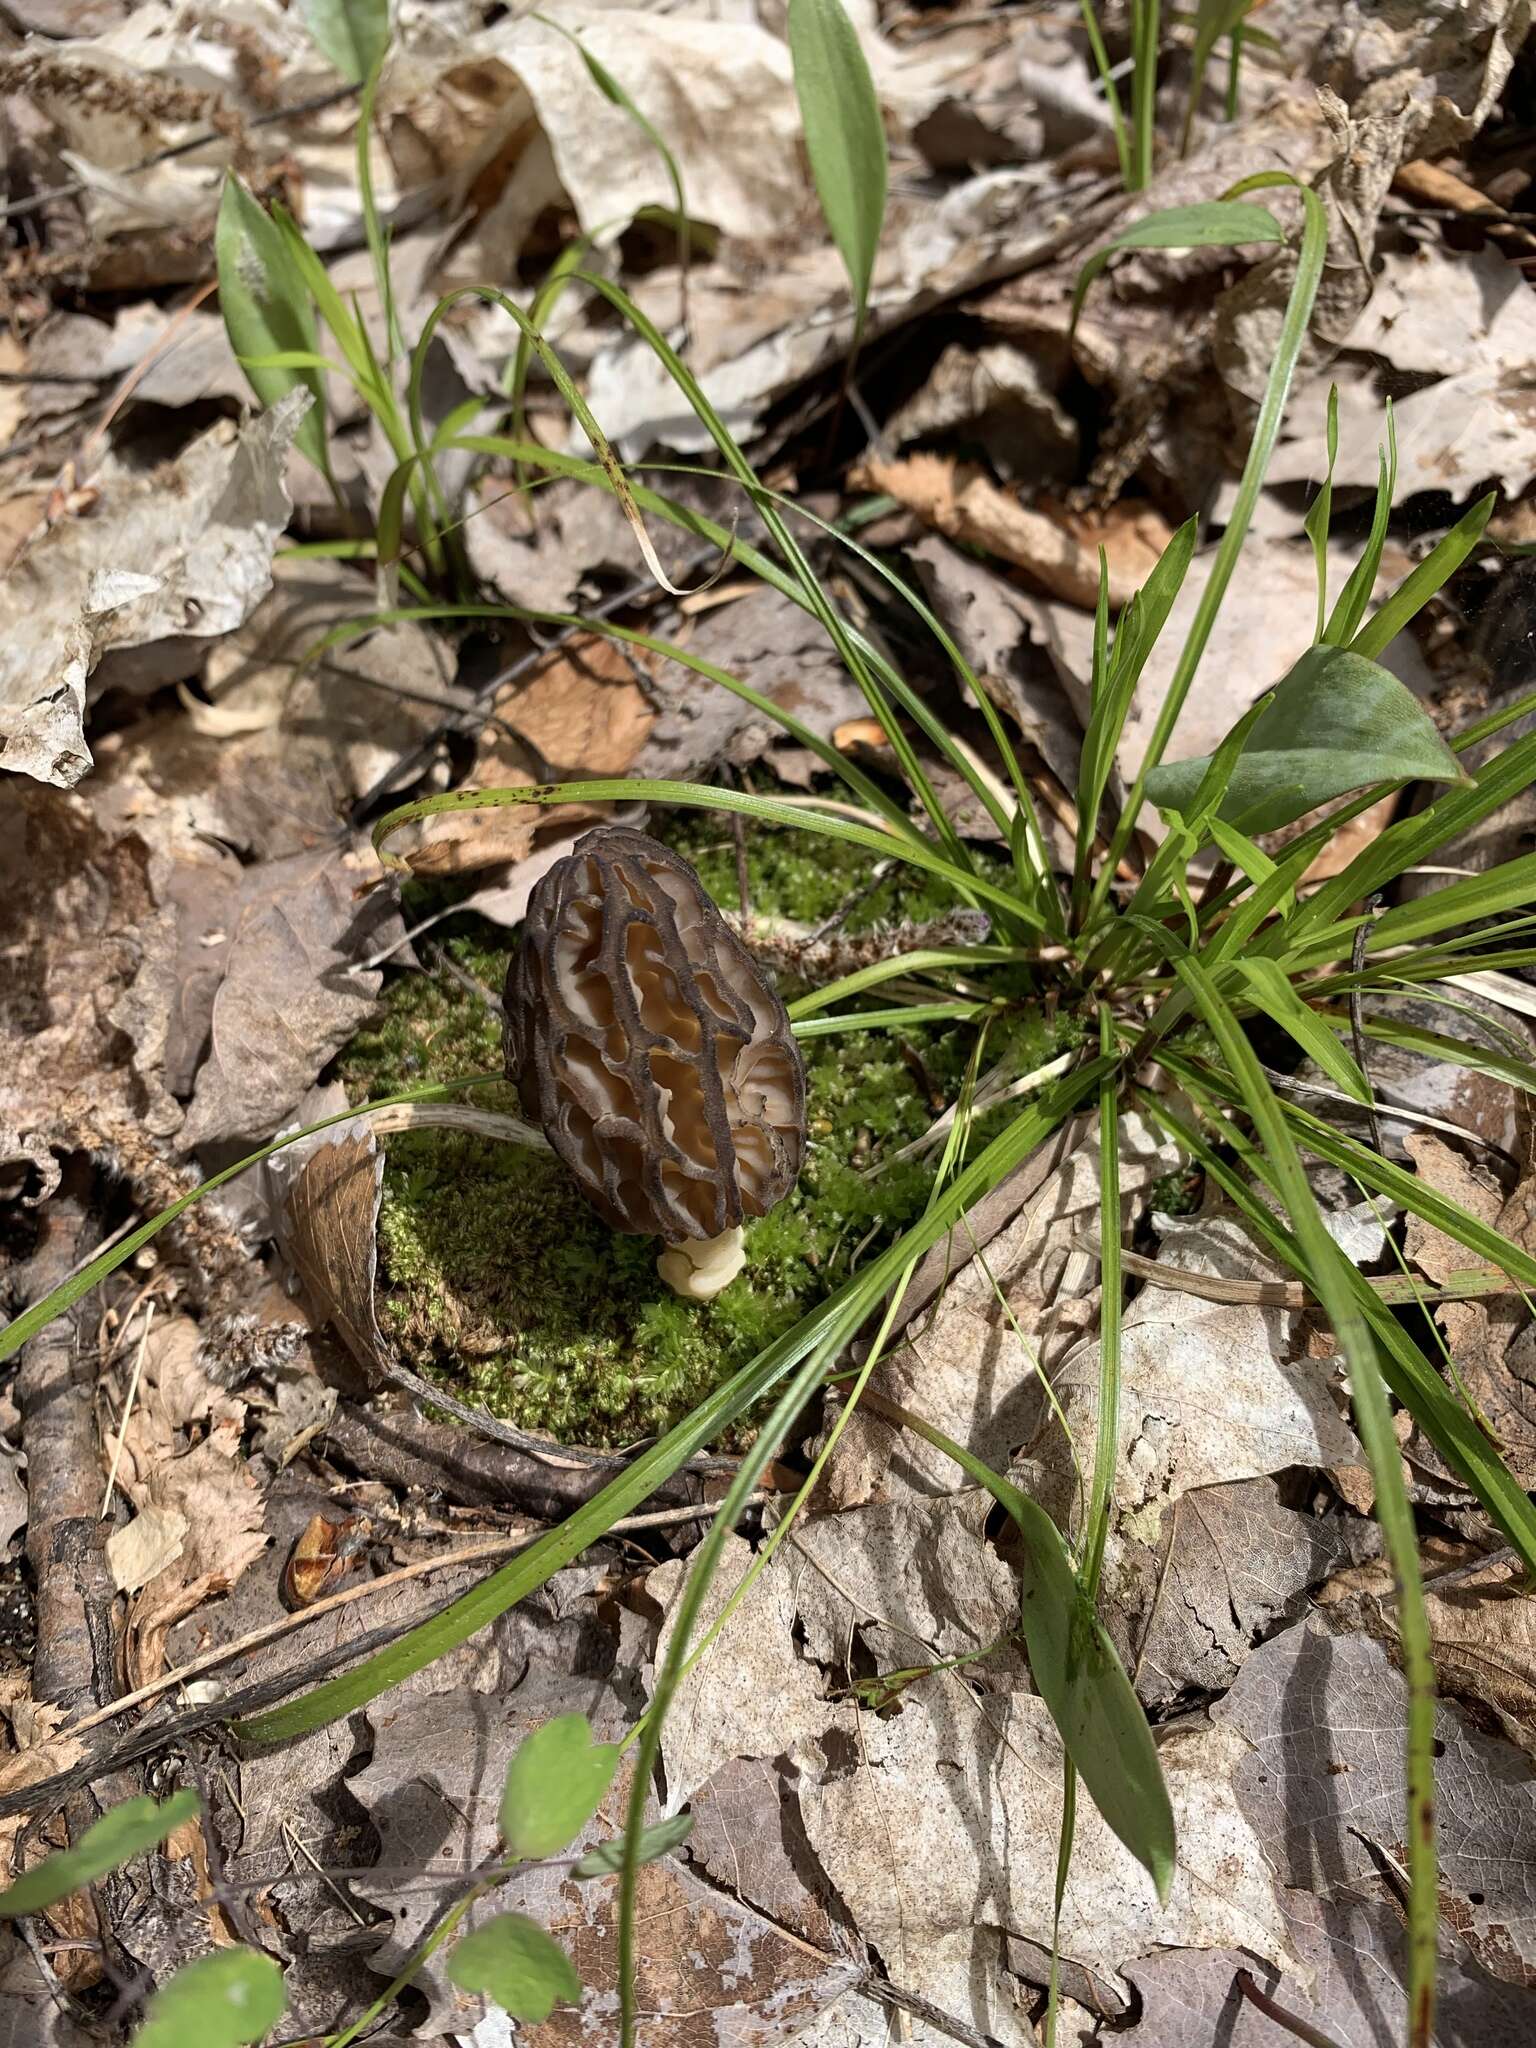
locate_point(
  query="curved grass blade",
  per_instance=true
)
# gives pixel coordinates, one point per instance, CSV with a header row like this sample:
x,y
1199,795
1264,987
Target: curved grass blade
x,y
698,796
1412,1378
1293,333
1210,224
1326,1274
840,1312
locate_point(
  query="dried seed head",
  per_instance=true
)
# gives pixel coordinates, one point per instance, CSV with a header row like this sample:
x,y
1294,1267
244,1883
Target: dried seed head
x,y
644,1040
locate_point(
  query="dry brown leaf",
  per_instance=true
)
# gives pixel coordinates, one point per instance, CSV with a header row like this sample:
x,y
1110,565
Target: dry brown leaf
x,y
584,713
1321,1720
1431,1249
145,1546
208,1486
40,1751
1058,549
163,556
286,1003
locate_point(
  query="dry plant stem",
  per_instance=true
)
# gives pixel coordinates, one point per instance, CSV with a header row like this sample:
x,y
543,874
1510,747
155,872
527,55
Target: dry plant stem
x,y
76,1657
1393,1287
1292,2022
992,1214
469,1553
932,2015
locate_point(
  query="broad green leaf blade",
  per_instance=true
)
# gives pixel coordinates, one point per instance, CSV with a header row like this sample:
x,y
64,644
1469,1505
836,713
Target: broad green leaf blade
x,y
1270,991
513,1961
226,2000
267,311
844,134
352,35
1213,224
1081,1679
1336,723
555,1783
658,1840
121,1833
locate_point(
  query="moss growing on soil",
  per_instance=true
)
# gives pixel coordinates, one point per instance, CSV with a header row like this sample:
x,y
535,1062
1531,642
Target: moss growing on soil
x,y
497,1278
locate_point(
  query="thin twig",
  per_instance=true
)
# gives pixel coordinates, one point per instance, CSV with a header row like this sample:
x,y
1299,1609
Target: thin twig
x,y
317,104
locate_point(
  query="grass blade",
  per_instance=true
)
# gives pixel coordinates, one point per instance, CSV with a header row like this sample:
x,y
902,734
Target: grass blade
x,y
844,136
839,1313
1326,1274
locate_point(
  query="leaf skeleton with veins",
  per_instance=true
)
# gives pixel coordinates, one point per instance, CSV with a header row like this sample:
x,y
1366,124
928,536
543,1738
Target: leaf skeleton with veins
x,y
644,1040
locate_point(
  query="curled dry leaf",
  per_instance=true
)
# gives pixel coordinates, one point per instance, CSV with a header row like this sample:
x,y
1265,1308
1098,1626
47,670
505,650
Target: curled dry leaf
x,y
331,1236
184,555
207,1485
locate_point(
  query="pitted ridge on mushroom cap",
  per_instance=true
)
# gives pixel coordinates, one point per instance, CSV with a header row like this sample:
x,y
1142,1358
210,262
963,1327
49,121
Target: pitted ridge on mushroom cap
x,y
644,1040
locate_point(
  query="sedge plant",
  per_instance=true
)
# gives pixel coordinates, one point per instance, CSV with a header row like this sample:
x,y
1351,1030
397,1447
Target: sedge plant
x,y
1219,946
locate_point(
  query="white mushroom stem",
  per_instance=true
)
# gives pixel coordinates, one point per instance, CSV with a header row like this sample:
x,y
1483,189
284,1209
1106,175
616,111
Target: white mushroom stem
x,y
700,1267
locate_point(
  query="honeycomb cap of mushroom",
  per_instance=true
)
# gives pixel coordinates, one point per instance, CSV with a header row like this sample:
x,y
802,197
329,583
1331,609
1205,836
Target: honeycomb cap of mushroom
x,y
660,1065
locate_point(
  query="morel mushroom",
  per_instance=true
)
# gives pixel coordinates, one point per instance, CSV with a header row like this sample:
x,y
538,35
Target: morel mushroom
x,y
645,1041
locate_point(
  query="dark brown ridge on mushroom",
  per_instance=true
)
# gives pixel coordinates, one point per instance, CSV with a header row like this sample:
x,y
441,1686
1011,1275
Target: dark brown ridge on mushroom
x,y
643,1039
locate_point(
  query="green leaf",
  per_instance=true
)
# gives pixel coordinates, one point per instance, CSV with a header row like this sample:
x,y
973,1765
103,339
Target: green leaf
x,y
1271,993
658,1840
267,311
555,1782
122,1832
1080,1678
844,134
226,2000
1212,224
1337,722
513,1961
352,35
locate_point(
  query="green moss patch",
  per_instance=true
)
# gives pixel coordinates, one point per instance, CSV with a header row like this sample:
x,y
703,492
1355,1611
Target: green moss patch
x,y
497,1278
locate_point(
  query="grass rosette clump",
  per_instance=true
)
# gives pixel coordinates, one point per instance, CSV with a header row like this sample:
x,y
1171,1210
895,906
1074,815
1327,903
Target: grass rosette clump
x,y
1170,976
